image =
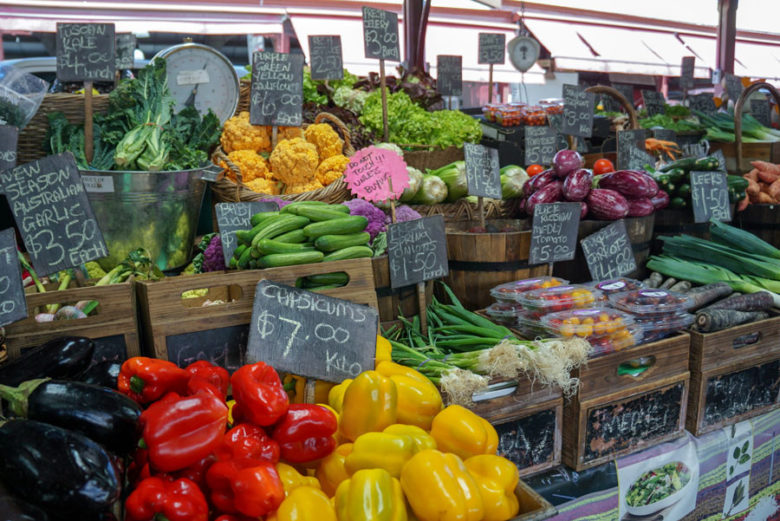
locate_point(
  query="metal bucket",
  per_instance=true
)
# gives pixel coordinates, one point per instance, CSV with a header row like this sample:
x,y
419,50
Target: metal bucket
x,y
153,210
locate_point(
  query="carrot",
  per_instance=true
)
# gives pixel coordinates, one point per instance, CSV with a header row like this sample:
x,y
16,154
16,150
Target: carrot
x,y
752,175
767,177
759,301
774,190
718,319
743,204
766,167
703,295
753,188
764,198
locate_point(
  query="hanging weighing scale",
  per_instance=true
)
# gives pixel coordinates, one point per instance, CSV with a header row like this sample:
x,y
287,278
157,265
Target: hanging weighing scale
x,y
202,76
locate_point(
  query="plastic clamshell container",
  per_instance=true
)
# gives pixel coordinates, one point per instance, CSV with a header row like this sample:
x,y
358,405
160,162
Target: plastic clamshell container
x,y
587,323
604,345
531,327
617,285
509,291
559,298
503,312
651,302
661,326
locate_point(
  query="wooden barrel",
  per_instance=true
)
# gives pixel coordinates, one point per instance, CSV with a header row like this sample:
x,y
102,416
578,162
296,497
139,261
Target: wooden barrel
x,y
640,234
676,222
762,220
392,301
480,261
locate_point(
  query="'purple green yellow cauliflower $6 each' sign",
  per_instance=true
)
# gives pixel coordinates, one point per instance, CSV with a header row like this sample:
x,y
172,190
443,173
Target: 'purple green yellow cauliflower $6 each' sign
x,y
376,174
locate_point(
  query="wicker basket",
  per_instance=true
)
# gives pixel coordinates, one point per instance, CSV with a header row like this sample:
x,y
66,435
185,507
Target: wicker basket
x,y
431,159
226,191
244,95
463,210
32,137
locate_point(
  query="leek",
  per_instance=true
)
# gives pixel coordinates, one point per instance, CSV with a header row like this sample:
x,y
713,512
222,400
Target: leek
x,y
742,240
735,260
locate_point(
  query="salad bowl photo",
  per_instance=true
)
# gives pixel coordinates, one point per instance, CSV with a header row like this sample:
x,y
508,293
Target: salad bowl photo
x,y
658,488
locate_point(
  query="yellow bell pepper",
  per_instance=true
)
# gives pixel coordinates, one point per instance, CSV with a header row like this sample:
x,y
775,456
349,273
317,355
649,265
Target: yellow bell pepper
x,y
370,495
230,405
292,479
322,390
336,395
332,471
439,488
418,399
378,450
462,432
384,350
370,405
295,386
304,504
496,478
421,439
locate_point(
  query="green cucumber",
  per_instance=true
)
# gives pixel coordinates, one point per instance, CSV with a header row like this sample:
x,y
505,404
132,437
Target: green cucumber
x,y
345,225
316,213
336,242
247,236
253,264
352,252
289,259
292,207
243,261
269,246
294,236
338,277
261,216
278,226
238,251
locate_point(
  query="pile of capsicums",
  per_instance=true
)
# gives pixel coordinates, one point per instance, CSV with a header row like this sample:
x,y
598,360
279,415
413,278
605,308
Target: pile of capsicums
x,y
167,444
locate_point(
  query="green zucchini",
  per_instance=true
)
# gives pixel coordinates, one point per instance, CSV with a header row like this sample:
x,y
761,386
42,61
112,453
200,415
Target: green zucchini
x,y
707,164
316,213
278,226
269,246
336,242
351,252
289,259
243,261
294,236
736,182
686,164
684,191
678,203
345,225
676,175
261,216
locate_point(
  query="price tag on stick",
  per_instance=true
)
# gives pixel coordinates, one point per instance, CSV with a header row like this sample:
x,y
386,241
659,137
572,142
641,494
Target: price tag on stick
x,y
86,52
125,50
608,252
417,251
710,197
654,102
276,96
554,232
312,335
232,217
762,111
733,87
577,111
326,58
482,171
703,103
686,72
492,48
626,90
51,209
541,144
13,306
449,75
380,34
9,136
631,150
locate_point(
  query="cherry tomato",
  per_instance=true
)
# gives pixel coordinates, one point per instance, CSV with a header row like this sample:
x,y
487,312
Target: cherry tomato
x,y
534,169
603,166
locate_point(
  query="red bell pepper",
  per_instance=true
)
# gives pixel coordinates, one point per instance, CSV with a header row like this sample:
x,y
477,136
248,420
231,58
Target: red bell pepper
x,y
180,431
197,471
204,375
235,517
305,434
259,394
156,498
245,486
148,379
247,441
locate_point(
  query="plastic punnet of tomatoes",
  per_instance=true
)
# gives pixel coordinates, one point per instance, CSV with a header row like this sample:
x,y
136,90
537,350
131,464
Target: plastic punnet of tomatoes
x,y
540,302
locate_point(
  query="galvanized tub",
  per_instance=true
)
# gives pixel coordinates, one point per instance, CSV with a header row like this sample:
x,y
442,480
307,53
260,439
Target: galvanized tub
x,y
154,210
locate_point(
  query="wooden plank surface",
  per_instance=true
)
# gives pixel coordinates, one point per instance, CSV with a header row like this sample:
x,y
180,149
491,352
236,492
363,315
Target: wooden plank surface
x,y
724,348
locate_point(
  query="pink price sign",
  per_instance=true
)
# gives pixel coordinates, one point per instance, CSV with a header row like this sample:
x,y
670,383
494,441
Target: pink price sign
x,y
372,171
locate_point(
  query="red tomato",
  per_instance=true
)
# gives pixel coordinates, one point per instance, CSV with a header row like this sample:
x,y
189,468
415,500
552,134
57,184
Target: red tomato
x,y
603,166
534,169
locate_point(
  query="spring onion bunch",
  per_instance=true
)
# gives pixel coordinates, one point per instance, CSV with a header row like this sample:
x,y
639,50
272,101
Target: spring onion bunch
x,y
720,127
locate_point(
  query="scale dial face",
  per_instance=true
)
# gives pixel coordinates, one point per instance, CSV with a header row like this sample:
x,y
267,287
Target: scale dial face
x,y
523,52
201,75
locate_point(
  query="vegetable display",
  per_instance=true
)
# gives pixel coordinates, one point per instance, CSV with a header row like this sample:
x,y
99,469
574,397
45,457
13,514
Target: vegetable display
x,y
674,179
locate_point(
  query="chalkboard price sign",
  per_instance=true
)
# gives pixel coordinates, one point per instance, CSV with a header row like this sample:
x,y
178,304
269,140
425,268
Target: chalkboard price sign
x,y
710,197
626,90
528,441
703,103
492,48
541,144
417,251
718,154
232,217
665,134
53,214
554,232
312,335
380,34
13,307
326,57
577,111
761,110
654,102
86,52
449,75
686,72
733,87
9,136
608,252
125,50
733,394
277,89
224,346
631,153
482,172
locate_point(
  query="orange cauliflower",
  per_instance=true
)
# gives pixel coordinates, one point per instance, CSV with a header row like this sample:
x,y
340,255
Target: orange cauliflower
x,y
238,134
331,169
263,186
288,133
294,161
252,165
325,138
303,187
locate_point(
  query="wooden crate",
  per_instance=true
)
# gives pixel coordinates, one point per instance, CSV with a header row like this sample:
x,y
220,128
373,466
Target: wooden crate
x,y
533,507
528,422
735,375
391,301
750,152
113,327
600,376
602,428
183,330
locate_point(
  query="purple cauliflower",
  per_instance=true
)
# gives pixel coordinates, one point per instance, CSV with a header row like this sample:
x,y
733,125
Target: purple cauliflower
x,y
281,203
213,258
405,213
376,217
